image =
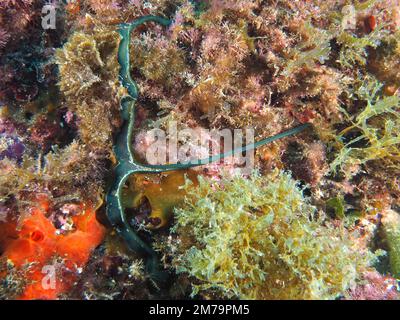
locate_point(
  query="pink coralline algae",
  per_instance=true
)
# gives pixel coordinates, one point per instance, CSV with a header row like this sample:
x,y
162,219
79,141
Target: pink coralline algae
x,y
11,145
25,50
376,287
4,37
145,142
15,18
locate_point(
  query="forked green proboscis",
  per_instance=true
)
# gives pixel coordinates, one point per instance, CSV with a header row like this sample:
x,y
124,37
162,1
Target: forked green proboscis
x,y
127,164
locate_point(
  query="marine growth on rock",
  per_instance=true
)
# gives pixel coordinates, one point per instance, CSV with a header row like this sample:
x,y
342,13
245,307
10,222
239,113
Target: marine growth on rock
x,y
208,149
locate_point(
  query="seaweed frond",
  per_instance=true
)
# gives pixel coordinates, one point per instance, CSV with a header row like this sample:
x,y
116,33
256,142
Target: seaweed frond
x,y
259,238
377,128
354,49
89,69
391,228
316,48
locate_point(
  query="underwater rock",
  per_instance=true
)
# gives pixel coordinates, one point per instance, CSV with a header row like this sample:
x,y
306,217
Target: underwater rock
x,y
11,144
307,163
262,65
375,286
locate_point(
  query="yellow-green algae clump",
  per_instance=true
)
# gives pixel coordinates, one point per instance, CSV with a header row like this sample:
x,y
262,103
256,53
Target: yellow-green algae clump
x,y
260,238
88,68
391,227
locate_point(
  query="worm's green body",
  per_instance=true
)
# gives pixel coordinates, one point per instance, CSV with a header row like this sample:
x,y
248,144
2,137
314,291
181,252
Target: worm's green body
x,y
127,165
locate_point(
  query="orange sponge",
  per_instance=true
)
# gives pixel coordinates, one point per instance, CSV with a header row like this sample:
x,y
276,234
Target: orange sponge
x,y
37,242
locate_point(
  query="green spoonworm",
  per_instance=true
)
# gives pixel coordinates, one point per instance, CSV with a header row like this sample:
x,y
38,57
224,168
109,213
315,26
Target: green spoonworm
x,y
127,164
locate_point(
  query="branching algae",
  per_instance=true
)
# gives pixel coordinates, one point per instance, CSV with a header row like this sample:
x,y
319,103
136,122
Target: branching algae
x,y
127,165
262,239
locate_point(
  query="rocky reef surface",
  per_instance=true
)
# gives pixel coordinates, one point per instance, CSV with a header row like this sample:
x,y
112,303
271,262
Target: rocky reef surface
x,y
312,214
